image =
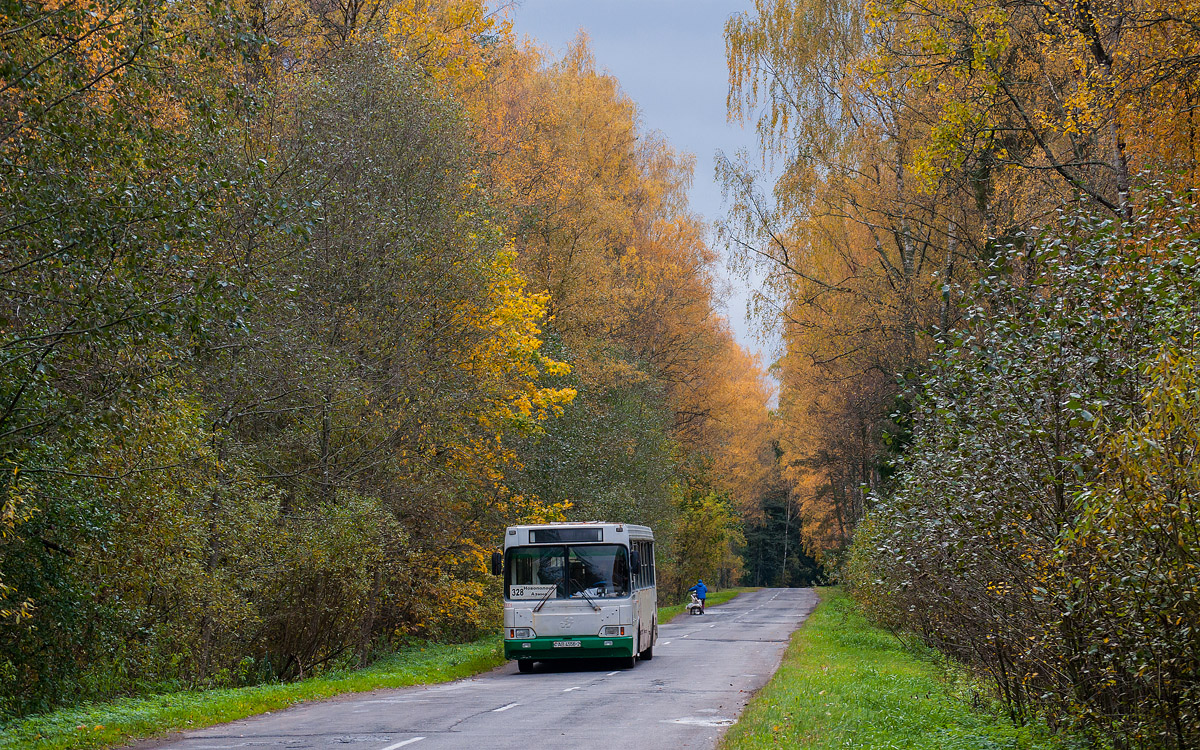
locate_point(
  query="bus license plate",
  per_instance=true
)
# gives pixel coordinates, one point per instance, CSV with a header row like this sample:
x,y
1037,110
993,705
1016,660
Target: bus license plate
x,y
567,644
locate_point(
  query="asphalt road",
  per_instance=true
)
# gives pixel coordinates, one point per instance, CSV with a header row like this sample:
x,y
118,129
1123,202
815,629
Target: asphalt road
x,y
705,669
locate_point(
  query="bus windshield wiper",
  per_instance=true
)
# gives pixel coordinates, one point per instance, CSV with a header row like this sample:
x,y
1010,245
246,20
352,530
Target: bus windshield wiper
x,y
583,593
545,598
595,606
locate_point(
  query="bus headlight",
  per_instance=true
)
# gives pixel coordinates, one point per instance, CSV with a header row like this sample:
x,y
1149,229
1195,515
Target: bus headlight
x,y
611,630
518,633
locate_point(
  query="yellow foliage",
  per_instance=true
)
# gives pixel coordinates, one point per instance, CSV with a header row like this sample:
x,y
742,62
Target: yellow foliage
x,y
446,39
508,355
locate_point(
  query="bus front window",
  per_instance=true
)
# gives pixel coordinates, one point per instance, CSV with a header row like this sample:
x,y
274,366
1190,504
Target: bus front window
x,y
599,571
532,571
596,570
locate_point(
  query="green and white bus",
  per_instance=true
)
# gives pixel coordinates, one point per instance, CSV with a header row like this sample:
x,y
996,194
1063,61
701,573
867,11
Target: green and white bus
x,y
578,590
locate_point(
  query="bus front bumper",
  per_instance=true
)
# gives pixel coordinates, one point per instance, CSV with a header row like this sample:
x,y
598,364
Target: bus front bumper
x,y
568,647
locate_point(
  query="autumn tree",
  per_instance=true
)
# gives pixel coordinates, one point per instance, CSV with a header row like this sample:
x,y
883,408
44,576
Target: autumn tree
x,y
859,251
603,228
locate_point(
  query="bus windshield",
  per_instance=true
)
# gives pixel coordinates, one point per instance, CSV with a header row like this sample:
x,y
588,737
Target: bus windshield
x,y
565,572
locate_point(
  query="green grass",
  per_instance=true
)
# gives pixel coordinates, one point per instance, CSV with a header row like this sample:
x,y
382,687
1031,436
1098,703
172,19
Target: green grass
x,y
115,723
109,724
846,684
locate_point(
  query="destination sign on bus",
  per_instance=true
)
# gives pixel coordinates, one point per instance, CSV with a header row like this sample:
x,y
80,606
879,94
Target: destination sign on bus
x,y
528,591
560,536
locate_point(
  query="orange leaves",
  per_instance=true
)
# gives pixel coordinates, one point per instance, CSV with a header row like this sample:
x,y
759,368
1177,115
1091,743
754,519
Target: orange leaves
x,y
570,197
743,436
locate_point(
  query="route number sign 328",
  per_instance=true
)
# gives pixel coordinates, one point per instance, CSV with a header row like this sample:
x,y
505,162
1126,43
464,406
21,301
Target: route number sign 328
x,y
530,591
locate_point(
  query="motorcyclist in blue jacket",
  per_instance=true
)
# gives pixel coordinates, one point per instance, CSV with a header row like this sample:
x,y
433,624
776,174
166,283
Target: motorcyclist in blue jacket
x,y
701,592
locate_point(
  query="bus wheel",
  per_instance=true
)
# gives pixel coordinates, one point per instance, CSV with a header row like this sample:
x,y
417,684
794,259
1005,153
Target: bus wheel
x,y
628,662
525,665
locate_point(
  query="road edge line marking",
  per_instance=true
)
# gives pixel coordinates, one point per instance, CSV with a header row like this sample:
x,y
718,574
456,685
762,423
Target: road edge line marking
x,y
402,744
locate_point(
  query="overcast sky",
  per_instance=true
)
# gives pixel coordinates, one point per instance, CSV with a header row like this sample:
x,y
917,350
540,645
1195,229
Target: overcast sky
x,y
669,56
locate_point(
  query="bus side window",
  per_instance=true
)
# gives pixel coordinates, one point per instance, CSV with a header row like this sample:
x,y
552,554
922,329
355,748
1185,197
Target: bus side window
x,y
646,579
637,572
650,561
649,566
642,568
642,564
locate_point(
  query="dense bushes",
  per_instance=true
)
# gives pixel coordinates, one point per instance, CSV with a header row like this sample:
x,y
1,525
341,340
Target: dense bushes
x,y
1044,524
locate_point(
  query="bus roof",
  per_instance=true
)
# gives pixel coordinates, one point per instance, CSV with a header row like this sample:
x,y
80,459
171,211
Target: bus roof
x,y
610,531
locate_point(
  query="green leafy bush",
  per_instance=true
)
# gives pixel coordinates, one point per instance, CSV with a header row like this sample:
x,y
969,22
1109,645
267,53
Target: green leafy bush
x,y
1043,526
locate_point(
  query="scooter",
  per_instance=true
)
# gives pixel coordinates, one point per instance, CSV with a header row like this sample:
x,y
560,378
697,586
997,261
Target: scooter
x,y
695,606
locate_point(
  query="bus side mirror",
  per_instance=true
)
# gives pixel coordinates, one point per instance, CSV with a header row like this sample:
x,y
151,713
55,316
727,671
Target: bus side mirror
x,y
497,563
635,562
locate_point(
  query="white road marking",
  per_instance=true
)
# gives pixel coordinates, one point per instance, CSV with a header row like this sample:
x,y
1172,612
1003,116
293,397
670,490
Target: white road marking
x,y
402,744
610,674
570,689
665,643
697,721
505,708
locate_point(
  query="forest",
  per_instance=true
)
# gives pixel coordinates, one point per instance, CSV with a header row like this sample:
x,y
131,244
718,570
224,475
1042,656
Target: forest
x,y
301,304
982,253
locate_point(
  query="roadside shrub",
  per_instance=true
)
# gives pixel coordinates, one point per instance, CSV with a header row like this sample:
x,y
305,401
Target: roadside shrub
x,y
1043,527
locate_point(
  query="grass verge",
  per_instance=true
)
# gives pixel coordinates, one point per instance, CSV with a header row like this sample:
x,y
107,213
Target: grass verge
x,y
846,684
115,723
118,722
